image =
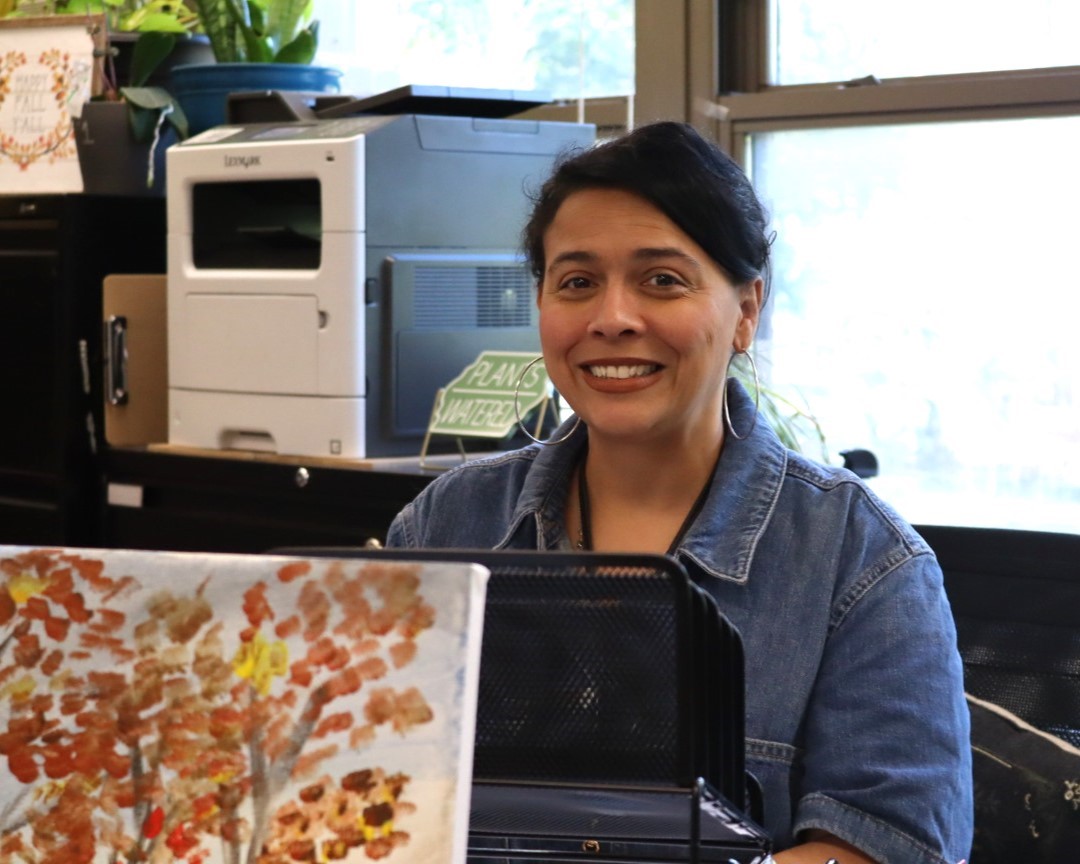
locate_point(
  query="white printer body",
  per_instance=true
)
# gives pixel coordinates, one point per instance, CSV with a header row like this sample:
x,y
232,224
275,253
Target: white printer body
x,y
325,278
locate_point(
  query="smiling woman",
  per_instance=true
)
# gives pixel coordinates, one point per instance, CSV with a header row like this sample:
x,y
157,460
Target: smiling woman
x,y
638,324
651,255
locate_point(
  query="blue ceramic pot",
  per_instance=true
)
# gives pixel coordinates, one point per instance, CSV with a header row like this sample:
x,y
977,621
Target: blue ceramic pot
x,y
202,89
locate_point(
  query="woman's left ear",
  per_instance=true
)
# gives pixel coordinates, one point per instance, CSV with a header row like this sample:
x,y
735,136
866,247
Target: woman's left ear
x,y
751,296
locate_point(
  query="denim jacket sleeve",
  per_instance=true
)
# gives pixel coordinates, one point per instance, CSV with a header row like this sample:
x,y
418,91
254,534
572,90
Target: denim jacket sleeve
x,y
890,667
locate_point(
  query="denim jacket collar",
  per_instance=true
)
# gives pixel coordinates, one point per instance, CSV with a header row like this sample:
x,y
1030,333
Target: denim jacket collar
x,y
723,538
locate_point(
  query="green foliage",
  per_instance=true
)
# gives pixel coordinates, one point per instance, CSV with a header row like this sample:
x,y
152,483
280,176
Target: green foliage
x,y
151,16
149,108
259,31
141,16
240,31
796,427
149,51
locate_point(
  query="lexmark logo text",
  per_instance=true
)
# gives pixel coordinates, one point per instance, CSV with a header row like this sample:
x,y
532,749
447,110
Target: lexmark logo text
x,y
242,161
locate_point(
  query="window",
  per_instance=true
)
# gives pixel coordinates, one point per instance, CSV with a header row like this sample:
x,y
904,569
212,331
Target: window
x,y
570,49
838,40
917,311
924,290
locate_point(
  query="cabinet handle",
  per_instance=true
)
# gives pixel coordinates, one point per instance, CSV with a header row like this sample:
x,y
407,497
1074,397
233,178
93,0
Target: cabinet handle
x,y
116,389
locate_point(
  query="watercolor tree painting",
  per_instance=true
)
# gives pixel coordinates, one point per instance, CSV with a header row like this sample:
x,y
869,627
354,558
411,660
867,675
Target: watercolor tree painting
x,y
169,707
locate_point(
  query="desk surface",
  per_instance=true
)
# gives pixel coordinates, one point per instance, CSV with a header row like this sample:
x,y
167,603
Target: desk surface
x,y
189,499
435,464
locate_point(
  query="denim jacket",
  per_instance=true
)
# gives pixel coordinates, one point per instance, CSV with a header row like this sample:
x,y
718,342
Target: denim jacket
x,y
856,722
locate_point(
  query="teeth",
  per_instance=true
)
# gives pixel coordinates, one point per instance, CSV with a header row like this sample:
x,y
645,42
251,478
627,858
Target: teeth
x,y
622,371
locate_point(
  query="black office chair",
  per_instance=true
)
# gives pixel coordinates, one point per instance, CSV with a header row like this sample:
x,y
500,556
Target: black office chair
x,y
1015,597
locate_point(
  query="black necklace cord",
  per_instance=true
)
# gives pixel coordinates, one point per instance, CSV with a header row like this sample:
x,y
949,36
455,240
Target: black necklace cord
x,y
584,541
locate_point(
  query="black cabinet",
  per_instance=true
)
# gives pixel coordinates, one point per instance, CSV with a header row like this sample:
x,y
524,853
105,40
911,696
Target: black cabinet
x,y
55,250
165,498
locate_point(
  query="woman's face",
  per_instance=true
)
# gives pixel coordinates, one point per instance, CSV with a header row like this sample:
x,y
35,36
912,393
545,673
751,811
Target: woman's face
x,y
637,322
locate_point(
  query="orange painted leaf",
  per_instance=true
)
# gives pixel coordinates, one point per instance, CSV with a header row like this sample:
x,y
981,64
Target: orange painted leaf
x,y
56,628
294,571
256,606
7,606
334,723
180,841
288,627
153,823
22,765
36,608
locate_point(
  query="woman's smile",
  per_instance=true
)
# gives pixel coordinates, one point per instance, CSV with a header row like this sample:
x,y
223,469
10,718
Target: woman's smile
x,y
620,376
621,371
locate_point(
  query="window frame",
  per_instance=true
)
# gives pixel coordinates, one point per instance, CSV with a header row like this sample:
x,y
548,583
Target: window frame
x,y
706,62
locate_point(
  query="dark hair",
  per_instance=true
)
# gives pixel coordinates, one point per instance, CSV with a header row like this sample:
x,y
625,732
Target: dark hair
x,y
692,181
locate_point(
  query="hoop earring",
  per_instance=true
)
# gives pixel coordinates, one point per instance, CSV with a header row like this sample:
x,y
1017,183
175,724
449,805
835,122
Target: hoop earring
x,y
517,411
757,395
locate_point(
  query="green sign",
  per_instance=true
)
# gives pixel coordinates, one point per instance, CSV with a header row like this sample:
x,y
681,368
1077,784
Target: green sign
x,y
480,401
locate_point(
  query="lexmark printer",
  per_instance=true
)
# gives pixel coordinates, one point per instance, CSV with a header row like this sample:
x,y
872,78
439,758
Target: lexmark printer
x,y
325,277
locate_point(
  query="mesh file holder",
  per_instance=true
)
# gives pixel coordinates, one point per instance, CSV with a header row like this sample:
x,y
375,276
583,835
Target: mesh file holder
x,y
609,684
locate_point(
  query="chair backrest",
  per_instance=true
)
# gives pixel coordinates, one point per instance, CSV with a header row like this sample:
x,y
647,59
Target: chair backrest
x,y
1015,597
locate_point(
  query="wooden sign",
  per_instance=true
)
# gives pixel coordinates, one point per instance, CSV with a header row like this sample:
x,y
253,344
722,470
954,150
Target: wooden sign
x,y
47,70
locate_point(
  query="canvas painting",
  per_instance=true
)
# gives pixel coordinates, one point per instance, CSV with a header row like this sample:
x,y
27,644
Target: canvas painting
x,y
235,709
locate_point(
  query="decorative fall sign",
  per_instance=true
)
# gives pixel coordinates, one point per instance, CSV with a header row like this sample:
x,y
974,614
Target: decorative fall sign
x,y
45,77
228,709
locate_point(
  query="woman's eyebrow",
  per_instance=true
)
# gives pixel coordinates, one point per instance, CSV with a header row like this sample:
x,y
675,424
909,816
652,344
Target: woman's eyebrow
x,y
647,253
574,255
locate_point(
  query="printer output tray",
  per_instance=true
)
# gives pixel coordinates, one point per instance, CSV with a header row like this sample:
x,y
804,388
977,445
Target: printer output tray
x,y
559,824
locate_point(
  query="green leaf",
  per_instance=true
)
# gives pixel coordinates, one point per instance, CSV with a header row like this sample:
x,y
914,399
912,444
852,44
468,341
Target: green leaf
x,y
150,50
284,20
84,7
178,119
257,15
301,50
220,25
147,97
142,122
146,105
161,22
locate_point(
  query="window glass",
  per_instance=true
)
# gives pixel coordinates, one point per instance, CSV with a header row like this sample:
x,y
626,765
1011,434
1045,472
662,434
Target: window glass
x,y
569,48
837,40
925,304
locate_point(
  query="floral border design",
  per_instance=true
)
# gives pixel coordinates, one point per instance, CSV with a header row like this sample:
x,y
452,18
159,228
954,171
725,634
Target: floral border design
x,y
59,142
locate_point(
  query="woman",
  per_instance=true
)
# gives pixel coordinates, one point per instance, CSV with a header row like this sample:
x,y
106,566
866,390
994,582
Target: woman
x,y
650,254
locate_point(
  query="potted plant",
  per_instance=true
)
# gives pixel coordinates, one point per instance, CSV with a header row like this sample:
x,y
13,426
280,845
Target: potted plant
x,y
258,45
247,45
255,45
114,160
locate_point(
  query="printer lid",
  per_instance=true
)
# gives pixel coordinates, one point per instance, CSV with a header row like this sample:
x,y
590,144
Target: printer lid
x,y
430,99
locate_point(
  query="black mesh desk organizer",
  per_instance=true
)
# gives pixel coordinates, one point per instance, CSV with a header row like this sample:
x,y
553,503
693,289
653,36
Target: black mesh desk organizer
x,y
610,713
